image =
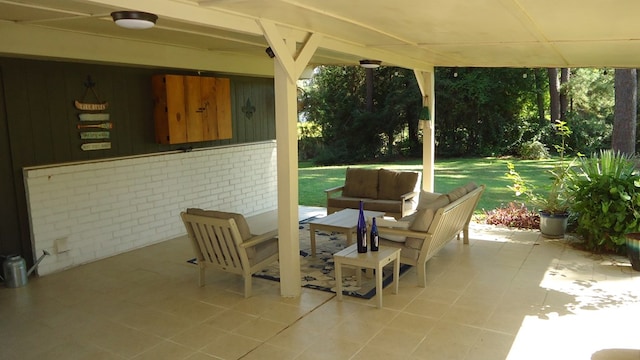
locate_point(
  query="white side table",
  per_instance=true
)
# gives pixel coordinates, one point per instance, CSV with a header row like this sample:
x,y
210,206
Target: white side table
x,y
375,260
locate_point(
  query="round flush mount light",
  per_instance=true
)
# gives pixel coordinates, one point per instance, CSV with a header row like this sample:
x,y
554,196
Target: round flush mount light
x,y
370,64
134,19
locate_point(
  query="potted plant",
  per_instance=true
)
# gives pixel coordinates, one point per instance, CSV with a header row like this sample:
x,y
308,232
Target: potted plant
x,y
554,200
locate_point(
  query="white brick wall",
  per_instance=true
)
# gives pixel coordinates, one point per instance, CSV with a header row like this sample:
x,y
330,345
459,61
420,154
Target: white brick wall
x,y
108,207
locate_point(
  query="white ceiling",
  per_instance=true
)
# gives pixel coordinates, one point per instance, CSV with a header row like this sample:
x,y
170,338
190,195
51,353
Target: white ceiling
x,y
415,34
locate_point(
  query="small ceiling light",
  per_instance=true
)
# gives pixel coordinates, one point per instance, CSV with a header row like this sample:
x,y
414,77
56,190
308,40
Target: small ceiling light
x,y
134,19
270,52
370,64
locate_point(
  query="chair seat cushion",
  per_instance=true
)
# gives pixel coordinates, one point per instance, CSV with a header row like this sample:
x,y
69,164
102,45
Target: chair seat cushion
x,y
394,224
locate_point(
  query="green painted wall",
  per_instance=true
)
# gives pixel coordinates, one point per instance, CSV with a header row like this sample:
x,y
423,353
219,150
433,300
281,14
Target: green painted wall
x,y
38,123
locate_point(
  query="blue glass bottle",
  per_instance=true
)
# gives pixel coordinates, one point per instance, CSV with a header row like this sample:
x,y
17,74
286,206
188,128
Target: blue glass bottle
x,y
374,236
361,231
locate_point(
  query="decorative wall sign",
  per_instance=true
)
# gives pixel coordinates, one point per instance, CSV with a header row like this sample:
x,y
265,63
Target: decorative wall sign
x,y
91,106
88,135
93,116
96,146
106,125
89,84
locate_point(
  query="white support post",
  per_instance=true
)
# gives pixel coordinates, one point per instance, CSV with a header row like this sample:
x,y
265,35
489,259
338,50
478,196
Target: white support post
x,y
426,82
288,65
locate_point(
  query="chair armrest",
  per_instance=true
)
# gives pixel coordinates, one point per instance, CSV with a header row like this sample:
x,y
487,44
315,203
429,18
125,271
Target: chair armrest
x,y
333,190
258,239
409,195
395,231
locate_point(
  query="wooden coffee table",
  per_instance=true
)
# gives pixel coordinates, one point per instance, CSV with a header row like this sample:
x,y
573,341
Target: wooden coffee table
x,y
375,260
343,221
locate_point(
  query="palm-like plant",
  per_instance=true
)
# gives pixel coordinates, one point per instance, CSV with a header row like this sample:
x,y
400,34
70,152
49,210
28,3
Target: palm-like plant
x,y
606,189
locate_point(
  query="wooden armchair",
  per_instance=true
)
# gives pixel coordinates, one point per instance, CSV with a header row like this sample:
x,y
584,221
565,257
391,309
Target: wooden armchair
x,y
223,241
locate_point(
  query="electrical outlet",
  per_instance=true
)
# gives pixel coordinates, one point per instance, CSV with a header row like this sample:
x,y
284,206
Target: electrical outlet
x,y
61,245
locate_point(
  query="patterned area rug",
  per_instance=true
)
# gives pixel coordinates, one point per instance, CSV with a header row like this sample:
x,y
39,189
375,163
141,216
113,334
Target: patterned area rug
x,y
317,272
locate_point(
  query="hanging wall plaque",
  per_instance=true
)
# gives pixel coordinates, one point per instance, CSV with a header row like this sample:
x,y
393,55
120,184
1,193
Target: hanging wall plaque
x,y
90,135
96,146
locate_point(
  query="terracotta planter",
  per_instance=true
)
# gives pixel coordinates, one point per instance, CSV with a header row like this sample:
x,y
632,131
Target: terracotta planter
x,y
633,250
553,225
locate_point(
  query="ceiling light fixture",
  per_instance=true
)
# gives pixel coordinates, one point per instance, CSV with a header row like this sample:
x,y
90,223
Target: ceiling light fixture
x,y
134,19
370,64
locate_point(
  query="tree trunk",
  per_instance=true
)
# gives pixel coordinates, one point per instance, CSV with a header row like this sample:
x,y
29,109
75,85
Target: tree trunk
x,y
369,84
563,97
539,83
554,94
624,119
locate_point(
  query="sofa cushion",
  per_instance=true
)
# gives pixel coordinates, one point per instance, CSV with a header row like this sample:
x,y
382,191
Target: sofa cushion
x,y
241,222
470,187
457,193
423,220
432,200
343,202
387,206
393,184
361,183
395,224
426,211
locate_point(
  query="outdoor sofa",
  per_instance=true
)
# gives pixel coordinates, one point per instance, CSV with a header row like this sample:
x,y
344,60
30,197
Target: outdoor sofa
x,y
393,192
439,219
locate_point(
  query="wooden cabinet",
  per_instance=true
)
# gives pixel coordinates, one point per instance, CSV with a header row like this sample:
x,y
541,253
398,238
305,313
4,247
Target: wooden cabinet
x,y
191,108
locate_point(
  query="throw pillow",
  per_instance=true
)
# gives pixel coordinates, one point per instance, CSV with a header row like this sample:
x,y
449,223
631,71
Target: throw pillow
x,y
241,222
361,183
394,224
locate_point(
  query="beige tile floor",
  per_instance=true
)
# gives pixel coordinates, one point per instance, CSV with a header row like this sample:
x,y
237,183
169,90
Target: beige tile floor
x,y
508,295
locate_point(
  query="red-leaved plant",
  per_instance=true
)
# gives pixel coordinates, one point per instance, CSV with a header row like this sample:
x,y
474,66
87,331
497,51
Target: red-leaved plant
x,y
513,215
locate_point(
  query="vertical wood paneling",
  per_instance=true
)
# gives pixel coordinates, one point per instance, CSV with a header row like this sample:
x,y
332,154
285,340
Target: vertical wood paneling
x,y
9,224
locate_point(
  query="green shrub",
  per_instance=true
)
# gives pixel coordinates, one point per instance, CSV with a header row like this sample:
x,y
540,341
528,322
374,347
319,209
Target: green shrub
x,y
606,192
533,150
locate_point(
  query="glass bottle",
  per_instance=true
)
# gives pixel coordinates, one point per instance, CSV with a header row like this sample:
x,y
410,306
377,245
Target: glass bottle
x,y
374,236
361,231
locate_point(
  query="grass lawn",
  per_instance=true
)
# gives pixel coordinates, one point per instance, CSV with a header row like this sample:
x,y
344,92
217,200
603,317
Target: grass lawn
x,y
449,174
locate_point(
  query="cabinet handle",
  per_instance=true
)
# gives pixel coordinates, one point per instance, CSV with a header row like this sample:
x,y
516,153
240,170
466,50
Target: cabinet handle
x,y
200,109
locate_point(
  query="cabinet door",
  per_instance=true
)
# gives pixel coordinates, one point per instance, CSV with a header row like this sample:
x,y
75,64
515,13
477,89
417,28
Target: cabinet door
x,y
169,109
194,108
216,102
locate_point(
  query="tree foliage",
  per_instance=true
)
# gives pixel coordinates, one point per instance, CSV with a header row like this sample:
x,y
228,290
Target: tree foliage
x,y
336,101
479,111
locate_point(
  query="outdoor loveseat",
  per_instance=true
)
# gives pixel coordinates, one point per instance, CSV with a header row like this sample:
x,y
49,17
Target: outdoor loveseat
x,y
439,219
393,192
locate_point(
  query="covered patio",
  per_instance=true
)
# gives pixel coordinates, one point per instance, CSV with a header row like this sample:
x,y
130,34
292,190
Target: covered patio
x,y
231,36
509,294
